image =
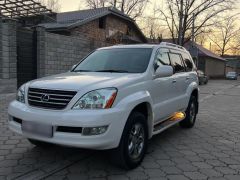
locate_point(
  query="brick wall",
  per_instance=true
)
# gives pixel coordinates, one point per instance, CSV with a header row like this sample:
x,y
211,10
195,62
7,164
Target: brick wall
x,y
55,53
90,30
113,25
58,53
8,57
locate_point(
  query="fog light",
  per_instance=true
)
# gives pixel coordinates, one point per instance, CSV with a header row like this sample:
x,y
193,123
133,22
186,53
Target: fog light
x,y
178,116
90,131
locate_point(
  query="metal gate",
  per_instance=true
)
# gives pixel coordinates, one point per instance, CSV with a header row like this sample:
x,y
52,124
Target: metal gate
x,y
26,55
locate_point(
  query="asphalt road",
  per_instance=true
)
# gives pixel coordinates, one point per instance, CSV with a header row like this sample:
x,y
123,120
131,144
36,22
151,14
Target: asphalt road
x,y
210,150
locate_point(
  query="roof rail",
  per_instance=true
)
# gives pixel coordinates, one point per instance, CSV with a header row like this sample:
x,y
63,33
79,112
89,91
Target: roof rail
x,y
172,45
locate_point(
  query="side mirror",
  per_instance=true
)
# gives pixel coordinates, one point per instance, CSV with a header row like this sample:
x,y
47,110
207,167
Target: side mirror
x,y
73,67
164,71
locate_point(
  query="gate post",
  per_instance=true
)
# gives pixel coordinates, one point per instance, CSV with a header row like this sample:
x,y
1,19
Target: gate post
x,y
41,66
8,56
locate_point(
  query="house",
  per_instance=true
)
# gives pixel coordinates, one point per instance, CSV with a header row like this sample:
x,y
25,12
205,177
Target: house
x,y
105,24
233,63
207,61
213,65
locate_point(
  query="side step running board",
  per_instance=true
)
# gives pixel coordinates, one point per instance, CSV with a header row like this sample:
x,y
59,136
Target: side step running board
x,y
163,125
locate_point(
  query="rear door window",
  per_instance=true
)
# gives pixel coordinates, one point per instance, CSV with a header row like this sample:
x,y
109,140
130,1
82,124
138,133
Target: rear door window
x,y
176,61
188,62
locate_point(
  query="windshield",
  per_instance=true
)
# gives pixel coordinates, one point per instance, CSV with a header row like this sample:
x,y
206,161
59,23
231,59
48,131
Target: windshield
x,y
232,73
125,60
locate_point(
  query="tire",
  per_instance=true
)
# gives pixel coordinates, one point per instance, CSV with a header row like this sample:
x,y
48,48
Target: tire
x,y
125,155
191,113
39,143
206,81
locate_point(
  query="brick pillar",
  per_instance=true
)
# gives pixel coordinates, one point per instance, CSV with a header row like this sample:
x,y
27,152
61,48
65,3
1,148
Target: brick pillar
x,y
41,51
1,59
8,56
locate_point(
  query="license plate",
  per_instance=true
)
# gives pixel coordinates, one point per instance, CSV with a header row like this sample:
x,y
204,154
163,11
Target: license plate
x,y
37,129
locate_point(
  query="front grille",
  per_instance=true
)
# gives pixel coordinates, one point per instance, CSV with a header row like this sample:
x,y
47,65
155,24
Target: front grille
x,y
49,99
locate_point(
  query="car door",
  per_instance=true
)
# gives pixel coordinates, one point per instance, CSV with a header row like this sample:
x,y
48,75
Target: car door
x,y
179,79
163,88
190,75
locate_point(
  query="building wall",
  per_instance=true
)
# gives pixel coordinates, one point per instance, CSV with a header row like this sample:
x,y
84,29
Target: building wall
x,y
58,53
8,57
55,53
112,26
215,68
201,64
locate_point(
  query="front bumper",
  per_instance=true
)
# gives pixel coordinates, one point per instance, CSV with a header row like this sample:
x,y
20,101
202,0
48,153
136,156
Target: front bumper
x,y
231,77
114,118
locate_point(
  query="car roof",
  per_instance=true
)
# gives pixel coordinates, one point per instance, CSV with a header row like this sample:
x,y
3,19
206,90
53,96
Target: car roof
x,y
162,44
121,46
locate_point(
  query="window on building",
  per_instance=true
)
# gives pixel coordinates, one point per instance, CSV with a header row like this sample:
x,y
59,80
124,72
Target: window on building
x,y
102,23
176,61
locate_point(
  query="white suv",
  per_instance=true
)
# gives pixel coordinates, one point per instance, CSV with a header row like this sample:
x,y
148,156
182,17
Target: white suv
x,y
116,98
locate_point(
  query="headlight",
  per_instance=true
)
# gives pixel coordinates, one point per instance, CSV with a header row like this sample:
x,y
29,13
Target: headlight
x,y
97,99
21,94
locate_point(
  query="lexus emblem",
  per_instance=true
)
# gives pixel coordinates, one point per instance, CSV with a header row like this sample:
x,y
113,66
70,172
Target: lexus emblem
x,y
45,98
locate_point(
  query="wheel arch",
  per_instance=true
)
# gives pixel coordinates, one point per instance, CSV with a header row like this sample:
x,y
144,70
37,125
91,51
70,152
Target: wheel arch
x,y
146,109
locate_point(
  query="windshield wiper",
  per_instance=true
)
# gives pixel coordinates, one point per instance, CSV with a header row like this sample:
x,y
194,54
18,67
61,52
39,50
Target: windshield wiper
x,y
112,70
80,70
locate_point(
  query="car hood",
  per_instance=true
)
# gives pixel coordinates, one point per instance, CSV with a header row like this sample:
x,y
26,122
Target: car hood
x,y
78,81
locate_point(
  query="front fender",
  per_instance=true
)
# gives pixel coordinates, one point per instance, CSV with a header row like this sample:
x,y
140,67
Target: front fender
x,y
132,100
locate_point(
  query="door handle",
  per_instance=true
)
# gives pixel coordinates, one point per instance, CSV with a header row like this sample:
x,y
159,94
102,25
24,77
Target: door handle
x,y
187,78
174,81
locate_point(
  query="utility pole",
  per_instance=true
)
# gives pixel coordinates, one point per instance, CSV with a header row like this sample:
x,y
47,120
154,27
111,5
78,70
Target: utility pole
x,y
174,40
193,28
122,6
194,49
180,32
115,3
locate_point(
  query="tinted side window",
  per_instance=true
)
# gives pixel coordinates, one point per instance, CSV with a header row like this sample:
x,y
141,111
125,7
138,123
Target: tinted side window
x,y
162,57
187,61
177,63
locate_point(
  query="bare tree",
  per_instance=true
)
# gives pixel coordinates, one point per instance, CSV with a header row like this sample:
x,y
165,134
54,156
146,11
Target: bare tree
x,y
203,36
180,15
235,50
224,35
54,5
133,8
93,4
152,26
